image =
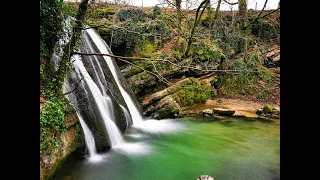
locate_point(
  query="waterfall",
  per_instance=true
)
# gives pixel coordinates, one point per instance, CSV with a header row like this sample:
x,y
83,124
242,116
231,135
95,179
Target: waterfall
x,y
101,45
88,137
101,102
127,114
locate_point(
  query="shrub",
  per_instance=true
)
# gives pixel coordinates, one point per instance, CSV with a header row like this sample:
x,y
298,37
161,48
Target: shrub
x,y
156,12
130,13
205,53
264,30
50,23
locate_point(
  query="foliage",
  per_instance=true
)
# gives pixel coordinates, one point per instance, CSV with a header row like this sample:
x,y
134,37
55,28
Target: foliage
x,y
121,37
265,74
265,30
105,12
158,27
68,10
131,33
193,92
202,52
130,13
147,48
156,12
50,23
52,123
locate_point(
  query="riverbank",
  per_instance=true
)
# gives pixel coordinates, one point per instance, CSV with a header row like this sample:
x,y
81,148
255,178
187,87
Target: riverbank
x,y
245,107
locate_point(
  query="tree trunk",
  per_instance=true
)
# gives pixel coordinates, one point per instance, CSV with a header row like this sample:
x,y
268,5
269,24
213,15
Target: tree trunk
x,y
242,14
64,66
178,6
203,4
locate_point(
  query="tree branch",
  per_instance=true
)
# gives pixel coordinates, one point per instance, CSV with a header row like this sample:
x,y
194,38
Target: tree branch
x,y
160,60
74,87
230,2
260,17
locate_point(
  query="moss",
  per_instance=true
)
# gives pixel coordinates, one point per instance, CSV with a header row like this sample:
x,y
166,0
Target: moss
x,y
265,74
193,92
168,111
264,30
106,11
147,49
135,70
267,108
203,52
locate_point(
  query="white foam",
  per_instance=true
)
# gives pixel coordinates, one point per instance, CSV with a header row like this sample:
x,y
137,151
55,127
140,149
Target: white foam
x,y
153,126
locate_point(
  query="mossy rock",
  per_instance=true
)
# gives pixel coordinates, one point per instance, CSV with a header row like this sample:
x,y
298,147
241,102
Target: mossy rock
x,y
267,108
224,112
259,111
106,11
168,111
193,92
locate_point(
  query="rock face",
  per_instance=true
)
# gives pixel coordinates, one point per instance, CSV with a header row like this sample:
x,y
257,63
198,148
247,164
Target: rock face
x,y
170,102
224,112
69,142
204,177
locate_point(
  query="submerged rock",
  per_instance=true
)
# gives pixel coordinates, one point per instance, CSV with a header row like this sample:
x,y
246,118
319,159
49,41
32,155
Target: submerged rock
x,y
204,177
224,112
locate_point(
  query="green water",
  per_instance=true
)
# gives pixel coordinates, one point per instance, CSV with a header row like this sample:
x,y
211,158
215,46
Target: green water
x,y
235,149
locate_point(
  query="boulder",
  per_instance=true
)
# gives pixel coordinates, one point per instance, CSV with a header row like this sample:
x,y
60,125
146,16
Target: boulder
x,y
259,111
206,115
207,111
204,177
224,112
276,111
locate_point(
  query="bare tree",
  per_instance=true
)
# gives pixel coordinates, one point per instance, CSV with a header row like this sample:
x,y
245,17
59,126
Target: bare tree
x,y
202,5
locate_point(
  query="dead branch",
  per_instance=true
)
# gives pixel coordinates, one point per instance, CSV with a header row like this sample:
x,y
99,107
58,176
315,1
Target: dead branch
x,y
74,87
230,2
255,19
160,60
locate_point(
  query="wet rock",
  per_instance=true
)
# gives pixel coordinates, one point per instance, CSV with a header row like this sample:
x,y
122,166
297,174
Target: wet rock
x,y
238,115
259,111
206,115
224,112
207,111
218,117
204,177
276,111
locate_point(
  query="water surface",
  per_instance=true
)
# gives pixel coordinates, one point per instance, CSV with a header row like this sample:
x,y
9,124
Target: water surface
x,y
232,149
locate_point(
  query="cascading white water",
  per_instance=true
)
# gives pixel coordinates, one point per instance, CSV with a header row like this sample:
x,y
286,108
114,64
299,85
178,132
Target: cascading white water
x,y
135,114
100,100
93,156
126,114
88,137
104,93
